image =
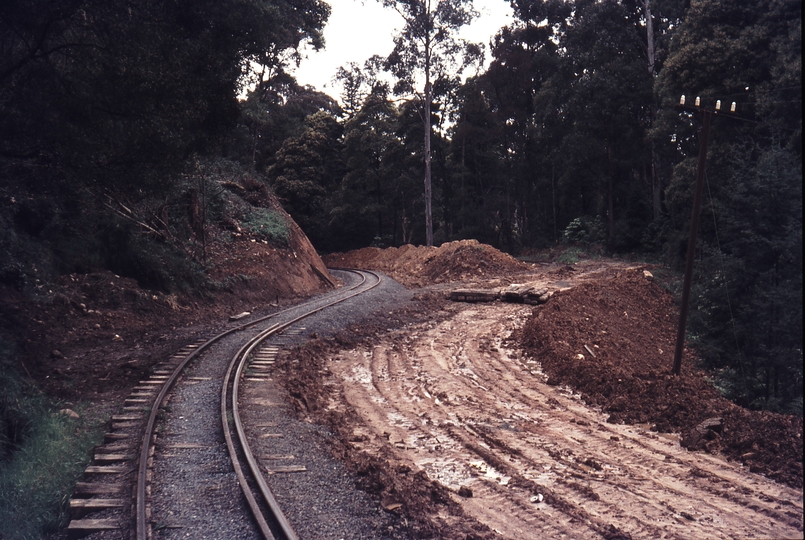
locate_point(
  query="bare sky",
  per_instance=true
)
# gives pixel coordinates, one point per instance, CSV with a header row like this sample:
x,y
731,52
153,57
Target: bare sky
x,y
359,29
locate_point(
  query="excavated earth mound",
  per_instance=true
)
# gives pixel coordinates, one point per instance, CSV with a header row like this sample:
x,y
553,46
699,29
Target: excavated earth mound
x,y
420,266
612,340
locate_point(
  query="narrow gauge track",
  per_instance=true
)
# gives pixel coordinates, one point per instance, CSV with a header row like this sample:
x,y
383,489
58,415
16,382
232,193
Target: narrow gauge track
x,y
265,508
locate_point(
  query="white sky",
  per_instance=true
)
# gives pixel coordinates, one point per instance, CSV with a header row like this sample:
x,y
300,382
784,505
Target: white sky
x,y
359,29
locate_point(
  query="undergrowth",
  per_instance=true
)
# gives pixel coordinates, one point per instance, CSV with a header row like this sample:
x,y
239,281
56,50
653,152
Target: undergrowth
x,y
269,224
571,255
43,452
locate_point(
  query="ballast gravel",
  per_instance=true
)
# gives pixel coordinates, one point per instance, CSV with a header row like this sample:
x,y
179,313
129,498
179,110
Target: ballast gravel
x,y
194,491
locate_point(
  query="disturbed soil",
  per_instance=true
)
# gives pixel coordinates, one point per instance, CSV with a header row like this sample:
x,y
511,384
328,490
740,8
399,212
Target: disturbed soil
x,y
561,419
93,336
418,266
466,420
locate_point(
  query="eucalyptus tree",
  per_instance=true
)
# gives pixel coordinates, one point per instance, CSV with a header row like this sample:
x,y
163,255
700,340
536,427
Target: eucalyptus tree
x,y
656,19
570,91
528,92
427,53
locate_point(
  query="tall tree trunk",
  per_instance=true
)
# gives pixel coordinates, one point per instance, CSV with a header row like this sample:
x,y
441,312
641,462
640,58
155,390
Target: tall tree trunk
x,y
426,121
649,36
656,187
610,198
428,211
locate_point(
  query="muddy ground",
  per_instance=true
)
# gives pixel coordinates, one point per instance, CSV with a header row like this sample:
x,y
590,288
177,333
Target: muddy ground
x,y
468,420
93,336
560,420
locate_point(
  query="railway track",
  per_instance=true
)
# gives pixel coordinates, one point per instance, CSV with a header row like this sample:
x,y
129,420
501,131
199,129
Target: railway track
x,y
118,463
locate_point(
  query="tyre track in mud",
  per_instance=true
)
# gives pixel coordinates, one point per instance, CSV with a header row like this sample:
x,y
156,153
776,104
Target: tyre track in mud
x,y
447,398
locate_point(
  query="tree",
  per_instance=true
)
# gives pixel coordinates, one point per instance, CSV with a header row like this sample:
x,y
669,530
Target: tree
x,y
362,84
129,91
570,94
655,19
366,207
427,46
307,170
746,317
114,100
274,111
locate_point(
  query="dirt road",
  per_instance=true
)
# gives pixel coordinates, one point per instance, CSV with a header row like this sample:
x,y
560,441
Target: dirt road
x,y
452,400
524,459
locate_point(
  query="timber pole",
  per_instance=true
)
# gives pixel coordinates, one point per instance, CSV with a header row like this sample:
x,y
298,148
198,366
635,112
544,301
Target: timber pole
x,y
694,228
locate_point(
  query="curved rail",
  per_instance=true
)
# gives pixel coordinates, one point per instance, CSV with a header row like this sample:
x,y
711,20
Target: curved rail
x,y
142,470
229,403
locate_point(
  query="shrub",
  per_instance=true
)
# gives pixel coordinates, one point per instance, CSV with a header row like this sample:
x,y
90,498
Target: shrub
x,y
585,230
268,224
44,452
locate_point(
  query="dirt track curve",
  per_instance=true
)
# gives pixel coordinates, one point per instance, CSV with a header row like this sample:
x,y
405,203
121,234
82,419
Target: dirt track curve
x,y
451,400
525,459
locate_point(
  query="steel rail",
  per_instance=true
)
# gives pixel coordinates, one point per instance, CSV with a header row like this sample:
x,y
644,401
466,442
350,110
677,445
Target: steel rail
x,y
230,403
141,517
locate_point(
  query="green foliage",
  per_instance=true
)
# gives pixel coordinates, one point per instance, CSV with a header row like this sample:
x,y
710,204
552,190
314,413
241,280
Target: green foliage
x,y
105,109
155,264
655,237
366,205
272,113
307,170
747,304
569,256
268,224
127,91
428,48
584,230
43,453
557,126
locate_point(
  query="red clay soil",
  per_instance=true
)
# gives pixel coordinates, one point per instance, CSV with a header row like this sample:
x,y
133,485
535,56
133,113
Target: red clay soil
x,y
399,488
629,324
419,266
98,334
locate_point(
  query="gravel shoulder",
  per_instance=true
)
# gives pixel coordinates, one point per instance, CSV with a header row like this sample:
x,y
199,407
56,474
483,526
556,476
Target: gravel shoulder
x,y
194,488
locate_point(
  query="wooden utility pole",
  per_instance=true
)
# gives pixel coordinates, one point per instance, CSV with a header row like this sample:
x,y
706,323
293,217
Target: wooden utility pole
x,y
694,223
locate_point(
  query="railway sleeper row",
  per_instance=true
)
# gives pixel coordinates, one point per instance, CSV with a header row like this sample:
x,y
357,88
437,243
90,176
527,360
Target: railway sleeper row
x,y
104,496
106,486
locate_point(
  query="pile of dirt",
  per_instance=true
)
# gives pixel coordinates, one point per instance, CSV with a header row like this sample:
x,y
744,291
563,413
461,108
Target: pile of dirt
x,y
418,266
612,340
